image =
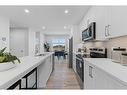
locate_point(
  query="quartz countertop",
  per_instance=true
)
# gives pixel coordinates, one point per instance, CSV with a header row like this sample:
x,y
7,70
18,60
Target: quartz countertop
x,y
28,63
115,70
86,53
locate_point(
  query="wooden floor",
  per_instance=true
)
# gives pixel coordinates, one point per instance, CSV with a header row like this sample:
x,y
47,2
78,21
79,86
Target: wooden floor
x,y
62,77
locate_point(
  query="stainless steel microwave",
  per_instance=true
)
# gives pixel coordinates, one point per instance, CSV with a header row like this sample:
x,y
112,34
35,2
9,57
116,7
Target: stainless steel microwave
x,y
89,33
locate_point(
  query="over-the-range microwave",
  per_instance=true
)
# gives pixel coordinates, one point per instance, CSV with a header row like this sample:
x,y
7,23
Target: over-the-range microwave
x,y
89,33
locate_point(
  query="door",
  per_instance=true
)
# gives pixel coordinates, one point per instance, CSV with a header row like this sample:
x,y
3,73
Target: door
x,y
19,42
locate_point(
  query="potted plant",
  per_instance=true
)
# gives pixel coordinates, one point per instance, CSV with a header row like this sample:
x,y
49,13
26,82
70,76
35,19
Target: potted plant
x,y
46,46
7,60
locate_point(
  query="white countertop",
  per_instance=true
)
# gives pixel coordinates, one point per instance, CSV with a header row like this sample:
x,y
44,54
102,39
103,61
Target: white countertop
x,y
116,70
85,53
28,63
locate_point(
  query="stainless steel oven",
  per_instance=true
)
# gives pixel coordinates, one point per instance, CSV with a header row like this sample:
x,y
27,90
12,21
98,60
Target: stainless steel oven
x,y
98,52
80,69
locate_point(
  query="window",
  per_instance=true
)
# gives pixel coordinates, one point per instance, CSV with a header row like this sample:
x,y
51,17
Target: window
x,y
56,42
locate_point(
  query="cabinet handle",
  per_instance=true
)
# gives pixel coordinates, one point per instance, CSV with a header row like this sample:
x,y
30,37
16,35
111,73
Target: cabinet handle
x,y
90,71
106,31
109,26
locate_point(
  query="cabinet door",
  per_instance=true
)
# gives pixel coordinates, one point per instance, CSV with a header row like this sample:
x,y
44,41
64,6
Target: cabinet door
x,y
118,21
44,71
89,82
74,62
104,81
100,16
100,79
103,19
15,86
113,83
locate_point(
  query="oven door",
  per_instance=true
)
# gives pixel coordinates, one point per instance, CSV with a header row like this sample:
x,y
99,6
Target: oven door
x,y
97,55
80,68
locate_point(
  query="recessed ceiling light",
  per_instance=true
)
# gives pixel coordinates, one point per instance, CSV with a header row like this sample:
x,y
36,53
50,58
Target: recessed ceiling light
x,y
65,27
26,10
66,11
43,27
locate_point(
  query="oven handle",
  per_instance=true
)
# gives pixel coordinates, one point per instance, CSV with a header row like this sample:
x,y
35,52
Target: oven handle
x,y
78,59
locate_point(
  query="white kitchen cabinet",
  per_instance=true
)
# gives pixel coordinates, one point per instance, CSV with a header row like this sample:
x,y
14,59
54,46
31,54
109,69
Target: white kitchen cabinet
x,y
100,79
74,62
89,17
44,71
15,86
31,80
89,82
114,24
105,81
102,19
96,78
102,16
110,21
118,21
112,83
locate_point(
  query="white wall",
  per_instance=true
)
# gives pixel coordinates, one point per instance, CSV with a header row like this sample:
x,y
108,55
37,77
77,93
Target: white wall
x,y
4,32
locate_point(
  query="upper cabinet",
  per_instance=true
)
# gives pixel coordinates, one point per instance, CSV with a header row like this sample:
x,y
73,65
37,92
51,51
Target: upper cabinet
x,y
118,21
102,22
110,21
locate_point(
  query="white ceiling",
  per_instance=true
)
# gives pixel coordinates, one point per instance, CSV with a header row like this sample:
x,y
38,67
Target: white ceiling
x,y
53,17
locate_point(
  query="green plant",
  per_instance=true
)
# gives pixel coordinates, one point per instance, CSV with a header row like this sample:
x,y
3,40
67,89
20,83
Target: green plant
x,y
7,57
47,46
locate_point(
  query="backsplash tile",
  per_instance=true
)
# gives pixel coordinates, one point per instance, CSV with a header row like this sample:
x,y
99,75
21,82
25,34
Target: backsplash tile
x,y
115,42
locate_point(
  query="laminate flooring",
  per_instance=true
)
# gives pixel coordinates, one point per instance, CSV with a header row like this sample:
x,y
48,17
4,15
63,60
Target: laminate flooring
x,y
62,77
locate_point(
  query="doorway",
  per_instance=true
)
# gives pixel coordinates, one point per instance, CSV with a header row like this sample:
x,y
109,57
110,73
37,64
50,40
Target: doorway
x,y
19,41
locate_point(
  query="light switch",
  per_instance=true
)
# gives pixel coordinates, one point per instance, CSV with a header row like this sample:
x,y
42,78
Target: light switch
x,y
3,38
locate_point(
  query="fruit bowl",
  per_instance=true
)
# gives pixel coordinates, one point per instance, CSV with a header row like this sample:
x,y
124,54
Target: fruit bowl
x,y
6,66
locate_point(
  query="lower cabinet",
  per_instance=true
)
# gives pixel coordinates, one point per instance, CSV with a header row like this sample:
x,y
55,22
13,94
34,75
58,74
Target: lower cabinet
x,y
44,71
15,86
29,81
74,62
89,82
95,78
37,78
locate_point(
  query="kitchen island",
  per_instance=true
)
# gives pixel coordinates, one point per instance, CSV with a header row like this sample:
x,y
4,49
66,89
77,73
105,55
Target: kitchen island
x,y
28,63
102,73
